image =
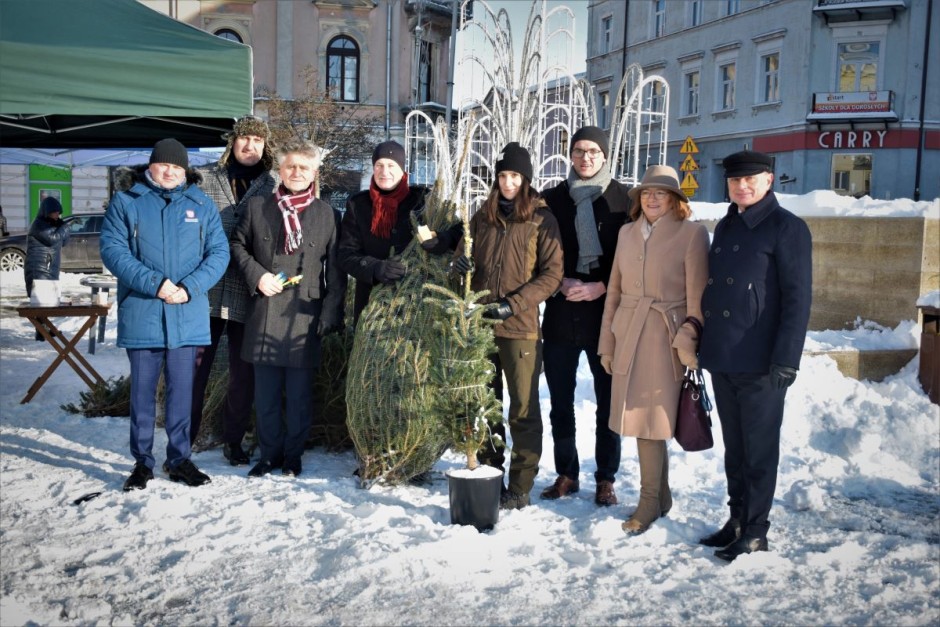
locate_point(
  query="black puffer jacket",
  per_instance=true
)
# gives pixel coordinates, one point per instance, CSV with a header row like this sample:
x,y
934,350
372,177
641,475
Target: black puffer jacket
x,y
44,244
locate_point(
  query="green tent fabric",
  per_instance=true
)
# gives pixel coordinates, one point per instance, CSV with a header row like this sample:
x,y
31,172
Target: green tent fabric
x,y
114,73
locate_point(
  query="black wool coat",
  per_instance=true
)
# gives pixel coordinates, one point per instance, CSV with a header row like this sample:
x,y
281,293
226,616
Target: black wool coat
x,y
579,323
281,330
759,290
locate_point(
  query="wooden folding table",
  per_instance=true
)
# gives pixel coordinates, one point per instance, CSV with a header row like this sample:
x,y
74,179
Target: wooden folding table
x,y
66,348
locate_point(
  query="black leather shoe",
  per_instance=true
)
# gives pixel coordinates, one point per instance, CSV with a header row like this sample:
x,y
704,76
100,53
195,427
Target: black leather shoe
x,y
139,478
724,536
744,544
261,469
235,455
291,467
187,473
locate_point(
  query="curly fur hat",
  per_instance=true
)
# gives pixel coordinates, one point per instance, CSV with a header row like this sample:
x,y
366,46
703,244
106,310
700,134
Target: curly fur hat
x,y
250,125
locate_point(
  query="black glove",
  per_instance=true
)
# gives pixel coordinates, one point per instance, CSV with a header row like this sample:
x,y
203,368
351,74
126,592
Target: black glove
x,y
501,311
389,271
436,245
782,377
327,326
462,264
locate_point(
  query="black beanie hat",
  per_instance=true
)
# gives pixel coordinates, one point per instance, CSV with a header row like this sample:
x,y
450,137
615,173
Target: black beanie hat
x,y
49,204
170,151
593,134
514,158
390,150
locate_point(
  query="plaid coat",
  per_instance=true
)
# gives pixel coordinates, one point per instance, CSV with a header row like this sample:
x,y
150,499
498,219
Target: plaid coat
x,y
229,298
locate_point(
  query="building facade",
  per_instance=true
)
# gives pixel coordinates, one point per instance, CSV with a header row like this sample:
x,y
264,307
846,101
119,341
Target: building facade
x,y
835,90
383,58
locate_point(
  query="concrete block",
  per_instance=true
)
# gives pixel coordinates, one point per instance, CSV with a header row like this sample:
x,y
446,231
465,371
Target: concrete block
x,y
871,365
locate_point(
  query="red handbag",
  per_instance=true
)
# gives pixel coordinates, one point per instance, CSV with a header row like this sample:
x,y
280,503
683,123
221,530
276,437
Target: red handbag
x,y
693,421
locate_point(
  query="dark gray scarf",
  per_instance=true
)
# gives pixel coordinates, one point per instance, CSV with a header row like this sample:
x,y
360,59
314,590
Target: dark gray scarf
x,y
584,192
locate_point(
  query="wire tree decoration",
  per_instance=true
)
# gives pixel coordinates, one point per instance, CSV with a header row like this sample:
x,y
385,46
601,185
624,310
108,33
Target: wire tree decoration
x,y
640,125
533,100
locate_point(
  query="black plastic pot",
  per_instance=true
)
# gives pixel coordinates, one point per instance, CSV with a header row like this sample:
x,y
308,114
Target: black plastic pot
x,y
475,500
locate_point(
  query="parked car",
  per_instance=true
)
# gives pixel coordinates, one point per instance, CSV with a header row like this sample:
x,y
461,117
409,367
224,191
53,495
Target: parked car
x,y
80,254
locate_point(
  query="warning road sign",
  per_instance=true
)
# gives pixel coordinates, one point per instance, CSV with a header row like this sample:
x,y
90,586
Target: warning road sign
x,y
689,165
689,185
688,147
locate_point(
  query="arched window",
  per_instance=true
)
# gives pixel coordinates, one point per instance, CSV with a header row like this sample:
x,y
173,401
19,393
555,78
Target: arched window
x,y
342,69
228,33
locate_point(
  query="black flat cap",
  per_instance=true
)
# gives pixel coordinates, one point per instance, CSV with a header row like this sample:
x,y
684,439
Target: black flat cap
x,y
746,163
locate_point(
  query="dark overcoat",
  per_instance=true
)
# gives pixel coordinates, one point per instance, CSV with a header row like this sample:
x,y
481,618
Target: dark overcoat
x,y
360,251
757,298
579,323
281,330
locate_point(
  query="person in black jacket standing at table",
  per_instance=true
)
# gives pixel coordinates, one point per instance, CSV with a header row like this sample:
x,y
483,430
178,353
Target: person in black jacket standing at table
x,y
756,306
590,208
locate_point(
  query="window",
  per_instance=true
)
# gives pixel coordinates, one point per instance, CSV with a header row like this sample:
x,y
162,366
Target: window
x,y
691,91
342,69
424,71
851,174
695,12
726,74
659,18
603,108
732,7
858,66
228,33
606,26
655,97
770,77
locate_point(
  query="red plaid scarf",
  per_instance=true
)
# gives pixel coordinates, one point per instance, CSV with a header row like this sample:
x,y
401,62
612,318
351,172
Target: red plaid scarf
x,y
385,206
291,205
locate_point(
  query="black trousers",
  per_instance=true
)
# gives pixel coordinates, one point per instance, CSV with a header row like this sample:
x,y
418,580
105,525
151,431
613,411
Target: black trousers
x,y
240,395
751,414
561,369
284,405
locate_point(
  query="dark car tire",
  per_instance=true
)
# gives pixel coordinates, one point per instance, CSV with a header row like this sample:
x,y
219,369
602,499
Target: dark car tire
x,y
12,259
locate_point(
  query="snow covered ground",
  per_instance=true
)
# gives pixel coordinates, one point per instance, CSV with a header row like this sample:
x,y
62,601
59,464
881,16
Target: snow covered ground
x,y
855,536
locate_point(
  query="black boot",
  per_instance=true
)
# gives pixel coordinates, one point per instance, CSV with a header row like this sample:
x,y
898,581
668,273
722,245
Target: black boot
x,y
235,454
724,536
744,544
139,478
260,469
187,473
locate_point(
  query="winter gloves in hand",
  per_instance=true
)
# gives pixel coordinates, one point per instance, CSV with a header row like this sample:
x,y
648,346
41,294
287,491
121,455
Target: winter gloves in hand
x,y
607,362
689,360
328,325
389,271
781,377
501,311
437,245
462,264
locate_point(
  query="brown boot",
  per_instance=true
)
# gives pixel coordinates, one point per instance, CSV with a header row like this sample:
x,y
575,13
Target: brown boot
x,y
605,494
665,494
650,453
563,486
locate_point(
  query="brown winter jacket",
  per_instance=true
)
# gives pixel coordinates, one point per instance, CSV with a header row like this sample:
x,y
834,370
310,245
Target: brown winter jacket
x,y
519,262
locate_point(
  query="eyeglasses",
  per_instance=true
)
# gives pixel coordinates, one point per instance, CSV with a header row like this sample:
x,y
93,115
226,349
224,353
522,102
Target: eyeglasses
x,y
593,153
658,194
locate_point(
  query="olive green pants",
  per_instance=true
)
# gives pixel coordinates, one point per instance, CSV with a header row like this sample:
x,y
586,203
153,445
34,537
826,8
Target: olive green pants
x,y
521,363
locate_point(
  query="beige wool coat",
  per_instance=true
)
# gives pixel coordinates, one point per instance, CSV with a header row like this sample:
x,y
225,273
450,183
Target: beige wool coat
x,y
653,286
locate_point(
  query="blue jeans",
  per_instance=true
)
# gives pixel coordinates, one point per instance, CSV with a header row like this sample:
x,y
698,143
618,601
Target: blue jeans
x,y
178,365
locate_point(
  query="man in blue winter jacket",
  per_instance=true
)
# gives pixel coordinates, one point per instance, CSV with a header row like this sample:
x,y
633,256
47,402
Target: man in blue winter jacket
x,y
163,240
756,306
